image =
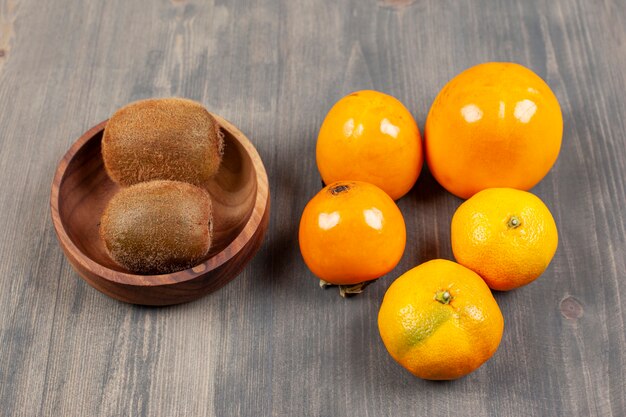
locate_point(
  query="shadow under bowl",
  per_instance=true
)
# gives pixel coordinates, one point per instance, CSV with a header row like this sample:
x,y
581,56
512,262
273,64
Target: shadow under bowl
x,y
81,189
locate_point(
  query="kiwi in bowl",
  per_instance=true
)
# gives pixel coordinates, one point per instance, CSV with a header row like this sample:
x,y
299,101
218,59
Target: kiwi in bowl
x,y
239,191
162,139
158,227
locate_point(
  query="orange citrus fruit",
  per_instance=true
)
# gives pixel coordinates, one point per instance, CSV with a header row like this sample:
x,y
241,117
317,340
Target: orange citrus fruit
x,y
351,232
494,125
440,321
370,136
506,236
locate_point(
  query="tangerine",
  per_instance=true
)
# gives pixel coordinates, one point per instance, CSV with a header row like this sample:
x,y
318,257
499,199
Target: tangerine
x,y
370,136
496,124
439,320
351,232
506,236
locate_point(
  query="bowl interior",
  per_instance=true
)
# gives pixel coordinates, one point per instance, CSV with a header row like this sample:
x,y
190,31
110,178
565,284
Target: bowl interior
x,y
86,189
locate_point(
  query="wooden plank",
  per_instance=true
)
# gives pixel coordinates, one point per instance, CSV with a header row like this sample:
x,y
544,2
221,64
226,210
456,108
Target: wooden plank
x,y
271,342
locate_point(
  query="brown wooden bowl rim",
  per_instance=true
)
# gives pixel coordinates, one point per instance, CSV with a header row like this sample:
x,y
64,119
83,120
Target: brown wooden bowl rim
x,y
220,258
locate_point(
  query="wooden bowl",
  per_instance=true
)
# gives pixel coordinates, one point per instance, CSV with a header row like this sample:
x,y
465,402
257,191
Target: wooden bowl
x,y
81,189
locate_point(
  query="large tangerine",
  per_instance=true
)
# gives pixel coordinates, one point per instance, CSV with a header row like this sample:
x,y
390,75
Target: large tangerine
x,y
496,124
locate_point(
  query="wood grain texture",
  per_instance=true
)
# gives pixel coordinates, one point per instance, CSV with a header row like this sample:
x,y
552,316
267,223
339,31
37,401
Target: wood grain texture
x,y
272,342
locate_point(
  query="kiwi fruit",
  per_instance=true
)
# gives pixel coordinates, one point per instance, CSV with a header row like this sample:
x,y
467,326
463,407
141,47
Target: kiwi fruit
x,y
158,227
162,139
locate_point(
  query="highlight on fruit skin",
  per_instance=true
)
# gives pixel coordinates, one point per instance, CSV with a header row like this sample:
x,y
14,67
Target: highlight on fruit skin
x,y
158,227
166,138
506,236
497,124
440,321
351,232
372,137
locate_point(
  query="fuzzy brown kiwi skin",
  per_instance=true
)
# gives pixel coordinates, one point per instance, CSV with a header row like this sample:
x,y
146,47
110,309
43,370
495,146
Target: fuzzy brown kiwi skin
x,y
167,139
158,227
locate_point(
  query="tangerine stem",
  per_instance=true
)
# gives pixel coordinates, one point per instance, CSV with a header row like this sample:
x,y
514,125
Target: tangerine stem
x,y
444,297
339,188
514,222
347,290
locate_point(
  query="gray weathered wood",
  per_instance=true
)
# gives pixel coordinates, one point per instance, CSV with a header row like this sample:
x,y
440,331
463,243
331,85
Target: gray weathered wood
x,y
271,342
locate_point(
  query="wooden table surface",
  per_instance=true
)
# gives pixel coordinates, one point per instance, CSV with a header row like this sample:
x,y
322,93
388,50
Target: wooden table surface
x,y
272,343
